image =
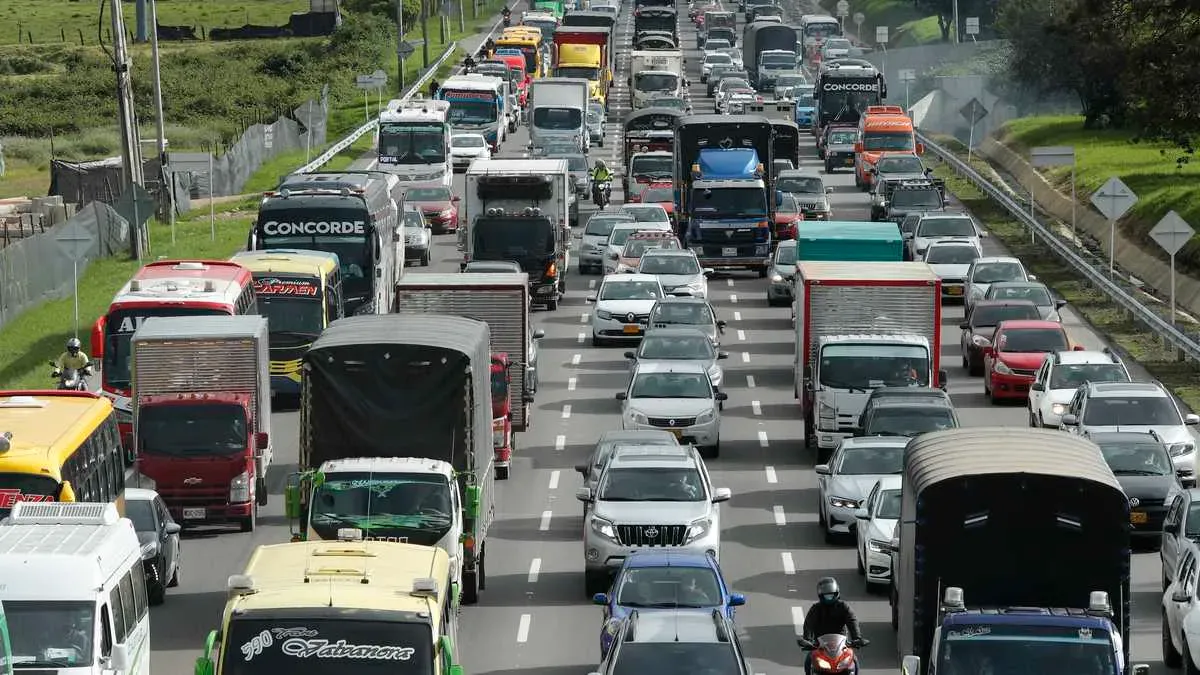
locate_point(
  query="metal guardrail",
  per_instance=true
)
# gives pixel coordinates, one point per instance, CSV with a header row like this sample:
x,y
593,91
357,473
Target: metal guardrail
x,y
1094,275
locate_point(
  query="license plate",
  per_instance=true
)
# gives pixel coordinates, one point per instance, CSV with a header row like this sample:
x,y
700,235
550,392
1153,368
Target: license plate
x,y
729,252
194,514
849,161
632,330
954,290
1139,517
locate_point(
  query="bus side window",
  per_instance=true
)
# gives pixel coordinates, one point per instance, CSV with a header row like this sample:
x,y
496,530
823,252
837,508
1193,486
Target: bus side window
x,y
128,603
118,614
106,634
138,577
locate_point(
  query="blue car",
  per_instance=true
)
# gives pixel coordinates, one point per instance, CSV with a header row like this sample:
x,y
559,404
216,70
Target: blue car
x,y
664,580
806,107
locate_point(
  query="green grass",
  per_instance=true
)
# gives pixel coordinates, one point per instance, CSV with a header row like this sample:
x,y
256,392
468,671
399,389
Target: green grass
x,y
38,335
56,21
907,25
1149,169
1127,336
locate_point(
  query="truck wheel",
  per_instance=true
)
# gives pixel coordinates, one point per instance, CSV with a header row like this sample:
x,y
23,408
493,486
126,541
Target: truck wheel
x,y
483,567
502,473
470,591
247,524
895,610
260,492
425,259
762,272
1171,657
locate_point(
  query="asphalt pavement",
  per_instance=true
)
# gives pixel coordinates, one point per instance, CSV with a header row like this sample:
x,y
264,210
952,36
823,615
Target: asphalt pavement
x,y
534,616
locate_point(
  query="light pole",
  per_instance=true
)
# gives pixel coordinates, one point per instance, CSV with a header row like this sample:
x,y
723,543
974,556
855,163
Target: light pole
x,y
957,38
167,179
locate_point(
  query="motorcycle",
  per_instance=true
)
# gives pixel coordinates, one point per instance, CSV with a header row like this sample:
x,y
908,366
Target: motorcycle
x,y
70,379
602,194
832,654
507,19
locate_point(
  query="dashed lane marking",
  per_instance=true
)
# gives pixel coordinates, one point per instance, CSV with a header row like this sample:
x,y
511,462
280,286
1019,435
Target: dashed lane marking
x,y
737,316
583,318
535,568
762,439
733,298
566,413
780,517
797,620
545,524
789,566
582,338
560,442
576,358
749,381
745,357
554,476
756,407
741,335
571,382
523,629
772,477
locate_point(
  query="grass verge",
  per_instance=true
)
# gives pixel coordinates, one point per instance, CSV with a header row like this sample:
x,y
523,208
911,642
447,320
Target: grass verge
x,y
38,335
1125,335
907,25
1149,169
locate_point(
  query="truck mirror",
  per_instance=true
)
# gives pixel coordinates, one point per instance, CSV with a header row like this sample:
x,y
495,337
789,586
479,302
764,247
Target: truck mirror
x,y
204,666
631,355
456,670
964,326
920,148
97,339
1070,421
822,470
66,493
861,514
1037,386
779,198
455,199
621,396
910,665
828,190
291,501
583,494
538,334
943,379
1141,669
261,440
582,469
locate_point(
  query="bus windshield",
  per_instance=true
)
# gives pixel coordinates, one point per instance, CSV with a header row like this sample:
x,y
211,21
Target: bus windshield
x,y
473,111
25,487
294,308
409,143
415,506
119,328
51,635
326,646
342,231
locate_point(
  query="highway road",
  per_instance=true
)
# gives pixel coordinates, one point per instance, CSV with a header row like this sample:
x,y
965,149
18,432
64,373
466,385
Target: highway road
x,y
534,617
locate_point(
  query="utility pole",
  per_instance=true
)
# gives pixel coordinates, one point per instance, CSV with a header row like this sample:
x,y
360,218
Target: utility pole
x,y
131,151
425,32
957,34
166,178
399,41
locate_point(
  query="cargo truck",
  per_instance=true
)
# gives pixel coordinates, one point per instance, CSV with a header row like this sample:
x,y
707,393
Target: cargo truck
x,y
861,326
761,36
520,210
655,72
558,113
502,301
586,52
1013,549
399,401
202,415
836,240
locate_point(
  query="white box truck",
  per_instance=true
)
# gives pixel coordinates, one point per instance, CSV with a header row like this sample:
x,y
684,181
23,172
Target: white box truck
x,y
558,113
655,73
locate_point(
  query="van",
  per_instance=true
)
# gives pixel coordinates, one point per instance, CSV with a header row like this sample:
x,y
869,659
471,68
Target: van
x,y
882,129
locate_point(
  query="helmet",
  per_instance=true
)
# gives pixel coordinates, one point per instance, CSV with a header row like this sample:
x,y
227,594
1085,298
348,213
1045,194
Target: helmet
x,y
600,164
74,345
828,591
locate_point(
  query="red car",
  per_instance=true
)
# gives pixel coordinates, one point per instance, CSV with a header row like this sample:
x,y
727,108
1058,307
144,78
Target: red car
x,y
439,206
662,194
787,214
1015,354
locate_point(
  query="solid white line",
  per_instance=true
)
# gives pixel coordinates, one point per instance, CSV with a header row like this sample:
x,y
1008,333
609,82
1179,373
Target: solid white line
x,y
733,298
554,476
545,524
571,382
749,381
762,438
742,335
780,518
582,338
535,567
797,620
772,477
737,316
560,442
789,566
583,318
729,282
523,628
745,357
576,358
756,407
567,411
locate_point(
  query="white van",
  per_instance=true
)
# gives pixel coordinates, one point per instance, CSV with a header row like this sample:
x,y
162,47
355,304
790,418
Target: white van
x,y
74,591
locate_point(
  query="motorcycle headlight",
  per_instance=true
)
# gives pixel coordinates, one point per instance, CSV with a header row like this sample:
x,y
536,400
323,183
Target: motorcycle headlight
x,y
706,417
823,663
239,488
637,417
1177,449
1001,367
698,529
843,503
604,528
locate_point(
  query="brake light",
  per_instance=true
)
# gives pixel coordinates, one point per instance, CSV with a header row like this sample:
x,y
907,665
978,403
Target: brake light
x,y
552,270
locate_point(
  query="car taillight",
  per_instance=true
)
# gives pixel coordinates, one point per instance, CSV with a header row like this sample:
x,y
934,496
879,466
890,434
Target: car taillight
x,y
552,270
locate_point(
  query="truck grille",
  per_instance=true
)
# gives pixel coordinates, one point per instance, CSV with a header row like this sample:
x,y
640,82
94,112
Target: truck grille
x,y
652,535
741,235
670,422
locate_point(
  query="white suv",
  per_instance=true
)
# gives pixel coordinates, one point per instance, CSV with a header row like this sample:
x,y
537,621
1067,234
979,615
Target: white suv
x,y
1061,375
648,498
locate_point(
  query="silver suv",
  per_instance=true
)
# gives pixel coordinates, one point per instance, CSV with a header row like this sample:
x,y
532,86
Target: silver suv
x,y
648,498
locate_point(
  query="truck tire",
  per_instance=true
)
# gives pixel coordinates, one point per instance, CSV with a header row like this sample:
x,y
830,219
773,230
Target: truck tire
x,y
762,272
260,492
248,523
470,590
552,304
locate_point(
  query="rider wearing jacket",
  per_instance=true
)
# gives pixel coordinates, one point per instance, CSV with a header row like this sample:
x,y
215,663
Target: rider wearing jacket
x,y
73,358
831,614
600,174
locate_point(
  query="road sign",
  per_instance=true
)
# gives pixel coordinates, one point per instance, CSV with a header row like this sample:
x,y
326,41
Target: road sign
x,y
1114,199
881,35
859,19
973,111
1172,233
74,240
375,80
908,75
972,27
1052,155
189,162
843,8
405,49
136,213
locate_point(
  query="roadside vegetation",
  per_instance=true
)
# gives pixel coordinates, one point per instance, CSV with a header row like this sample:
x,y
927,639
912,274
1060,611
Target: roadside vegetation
x,y
910,22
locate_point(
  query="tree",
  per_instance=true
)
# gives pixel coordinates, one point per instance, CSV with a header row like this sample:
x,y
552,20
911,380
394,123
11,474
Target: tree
x,y
984,10
1162,37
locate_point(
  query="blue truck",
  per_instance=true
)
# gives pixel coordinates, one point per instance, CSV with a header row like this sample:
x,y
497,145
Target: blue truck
x,y
724,193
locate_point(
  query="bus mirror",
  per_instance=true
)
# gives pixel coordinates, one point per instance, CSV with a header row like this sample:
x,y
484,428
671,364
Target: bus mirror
x,y
97,339
119,660
447,648
473,498
67,494
456,670
204,666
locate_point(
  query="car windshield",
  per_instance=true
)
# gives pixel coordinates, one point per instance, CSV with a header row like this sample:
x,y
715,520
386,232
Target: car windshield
x,y
909,421
785,255
1072,375
658,195
715,44
1136,458
647,214
692,313
653,166
843,137
945,227
677,347
991,272
468,141
1131,411
907,164
1038,295
837,43
671,385
670,264
651,484
1193,520
872,460
951,255
603,225
718,57
788,205
618,236
922,198
667,587
630,290
53,635
989,316
676,658
141,512
800,185
1032,340
1010,647
790,80
636,248
731,83
428,194
889,505
413,220
667,102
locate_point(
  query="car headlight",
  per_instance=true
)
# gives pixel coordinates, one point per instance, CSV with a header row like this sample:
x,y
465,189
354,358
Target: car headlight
x,y
239,488
1177,449
876,546
637,417
1001,367
149,550
980,341
698,529
776,278
843,503
604,528
706,417
446,214
601,314
1058,408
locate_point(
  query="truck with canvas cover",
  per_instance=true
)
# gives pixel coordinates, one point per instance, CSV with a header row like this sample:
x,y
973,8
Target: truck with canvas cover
x,y
1013,548
519,210
589,18
586,52
649,130
861,326
403,385
656,72
656,20
835,240
761,36
202,415
501,301
843,92
787,135
724,196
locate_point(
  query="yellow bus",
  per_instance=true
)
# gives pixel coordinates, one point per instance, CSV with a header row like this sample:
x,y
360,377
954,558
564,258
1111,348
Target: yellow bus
x,y
59,446
331,607
529,41
300,293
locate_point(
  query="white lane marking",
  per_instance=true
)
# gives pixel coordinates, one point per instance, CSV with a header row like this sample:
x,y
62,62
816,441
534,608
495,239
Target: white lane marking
x,y
772,477
742,335
733,298
571,382
523,628
582,338
762,438
591,283
567,411
797,620
749,381
756,407
554,476
737,316
535,568
583,318
560,442
780,518
576,358
545,524
745,357
729,282
789,566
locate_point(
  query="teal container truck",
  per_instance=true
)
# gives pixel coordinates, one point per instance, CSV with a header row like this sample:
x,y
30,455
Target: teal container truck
x,y
849,240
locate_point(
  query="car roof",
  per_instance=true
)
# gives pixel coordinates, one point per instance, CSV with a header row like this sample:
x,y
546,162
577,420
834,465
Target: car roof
x,y
941,215
139,495
906,392
651,367
1029,323
623,459
1092,357
682,558
798,173
855,442
620,435
681,300
684,625
635,206
926,402
1099,437
1000,303
1104,389
997,259
649,452
623,278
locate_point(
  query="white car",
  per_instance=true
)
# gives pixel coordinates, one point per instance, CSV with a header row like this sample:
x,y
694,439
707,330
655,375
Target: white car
x,y
835,48
679,397
715,46
854,468
620,235
986,271
944,227
677,270
876,528
650,216
603,7
1059,378
466,148
735,54
712,59
623,304
950,260
1181,620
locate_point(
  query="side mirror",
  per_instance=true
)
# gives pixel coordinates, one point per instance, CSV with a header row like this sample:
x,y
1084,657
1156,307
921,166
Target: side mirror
x,y
943,379
584,494
828,190
736,600
1191,420
1078,348
1059,304
631,355
455,199
621,396
173,528
861,514
823,470
456,670
261,440
722,495
910,665
721,324
989,351
964,326
708,271
858,147
920,148
119,659
1033,277
1037,386
1180,596
590,298
582,468
538,334
722,355
721,396
1070,421
600,599
982,233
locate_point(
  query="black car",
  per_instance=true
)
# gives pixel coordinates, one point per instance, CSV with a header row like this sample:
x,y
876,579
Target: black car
x,y
908,416
1143,467
883,395
981,324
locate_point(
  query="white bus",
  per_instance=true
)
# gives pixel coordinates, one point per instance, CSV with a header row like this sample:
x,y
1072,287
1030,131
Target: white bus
x,y
74,592
414,142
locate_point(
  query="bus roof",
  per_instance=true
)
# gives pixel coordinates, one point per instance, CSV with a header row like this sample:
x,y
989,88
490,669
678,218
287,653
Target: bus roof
x,y
217,281
287,261
468,83
421,110
46,427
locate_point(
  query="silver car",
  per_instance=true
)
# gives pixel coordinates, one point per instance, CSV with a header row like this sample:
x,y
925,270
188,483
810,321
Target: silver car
x,y
678,345
855,467
418,237
596,120
678,397
677,270
950,260
782,274
593,249
591,469
648,498
944,227
988,270
577,164
693,313
623,304
1033,291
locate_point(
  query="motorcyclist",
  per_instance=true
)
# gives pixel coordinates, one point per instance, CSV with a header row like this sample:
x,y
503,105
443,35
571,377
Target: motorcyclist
x,y
434,85
468,64
73,358
599,174
830,614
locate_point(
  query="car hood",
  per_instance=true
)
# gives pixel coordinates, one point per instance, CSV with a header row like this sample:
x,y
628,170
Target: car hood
x,y
881,529
626,306
912,175
1147,487
433,207
651,513
953,271
852,487
670,407
1022,360
467,152
788,272
670,281
1062,396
